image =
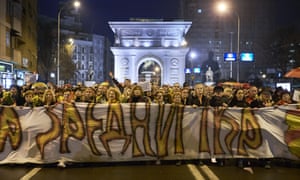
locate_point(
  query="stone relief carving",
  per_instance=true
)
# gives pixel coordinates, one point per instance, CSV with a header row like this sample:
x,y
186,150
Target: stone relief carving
x,y
125,61
131,32
150,32
173,33
174,62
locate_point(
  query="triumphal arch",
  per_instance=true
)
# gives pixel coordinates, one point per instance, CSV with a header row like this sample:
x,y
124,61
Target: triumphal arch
x,y
153,51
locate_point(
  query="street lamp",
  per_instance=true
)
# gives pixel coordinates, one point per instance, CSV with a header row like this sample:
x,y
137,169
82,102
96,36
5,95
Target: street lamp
x,y
76,4
222,7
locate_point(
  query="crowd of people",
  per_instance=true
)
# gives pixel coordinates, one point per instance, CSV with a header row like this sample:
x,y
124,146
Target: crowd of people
x,y
40,94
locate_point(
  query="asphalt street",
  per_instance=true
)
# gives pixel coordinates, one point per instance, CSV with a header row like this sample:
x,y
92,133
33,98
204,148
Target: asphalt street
x,y
187,170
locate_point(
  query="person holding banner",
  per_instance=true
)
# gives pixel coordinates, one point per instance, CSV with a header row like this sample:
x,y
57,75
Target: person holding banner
x,y
199,99
166,94
137,95
218,100
113,95
285,99
28,95
251,95
176,87
159,97
126,95
16,95
176,100
68,96
101,93
264,100
49,98
238,99
185,95
89,95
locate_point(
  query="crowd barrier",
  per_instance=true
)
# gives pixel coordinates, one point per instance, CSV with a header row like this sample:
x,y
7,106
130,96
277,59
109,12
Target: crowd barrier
x,y
82,132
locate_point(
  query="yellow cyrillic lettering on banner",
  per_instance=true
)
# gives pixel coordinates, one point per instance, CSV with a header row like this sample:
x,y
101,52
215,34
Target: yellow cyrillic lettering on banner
x,y
250,132
115,113
72,126
44,138
163,130
141,123
229,138
203,144
10,128
92,124
292,135
218,113
179,148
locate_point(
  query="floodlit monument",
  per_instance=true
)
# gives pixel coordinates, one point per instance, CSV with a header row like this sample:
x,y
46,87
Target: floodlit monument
x,y
147,50
209,77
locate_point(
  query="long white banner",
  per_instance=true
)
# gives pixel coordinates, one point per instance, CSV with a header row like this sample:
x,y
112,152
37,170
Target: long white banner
x,y
84,132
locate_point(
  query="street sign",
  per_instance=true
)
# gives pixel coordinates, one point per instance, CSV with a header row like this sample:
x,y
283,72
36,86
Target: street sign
x,y
229,56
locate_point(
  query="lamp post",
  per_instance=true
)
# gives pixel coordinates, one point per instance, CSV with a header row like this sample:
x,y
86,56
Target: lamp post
x,y
238,48
223,7
76,4
230,73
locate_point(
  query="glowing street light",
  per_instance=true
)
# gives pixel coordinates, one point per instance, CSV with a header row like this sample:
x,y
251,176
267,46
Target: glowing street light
x,y
192,56
223,7
76,4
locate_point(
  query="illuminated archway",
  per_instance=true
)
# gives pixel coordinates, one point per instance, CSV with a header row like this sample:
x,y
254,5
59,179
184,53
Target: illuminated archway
x,y
150,69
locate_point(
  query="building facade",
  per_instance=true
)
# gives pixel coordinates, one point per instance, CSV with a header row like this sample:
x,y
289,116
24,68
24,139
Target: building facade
x,y
83,56
218,33
18,41
153,51
88,55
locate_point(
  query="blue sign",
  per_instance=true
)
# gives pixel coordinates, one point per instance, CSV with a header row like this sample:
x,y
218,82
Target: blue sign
x,y
197,70
229,56
187,71
247,57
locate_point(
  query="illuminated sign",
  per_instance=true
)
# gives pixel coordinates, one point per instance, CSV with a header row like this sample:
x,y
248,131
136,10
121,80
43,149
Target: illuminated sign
x,y
188,71
6,67
229,56
197,70
247,57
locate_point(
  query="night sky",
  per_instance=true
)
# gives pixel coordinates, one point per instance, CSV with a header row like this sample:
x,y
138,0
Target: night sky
x,y
288,12
95,14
